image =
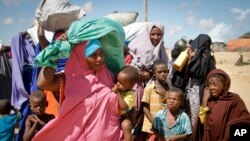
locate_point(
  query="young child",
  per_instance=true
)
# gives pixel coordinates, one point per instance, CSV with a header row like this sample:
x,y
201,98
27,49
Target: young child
x,y
154,96
172,123
8,120
220,109
126,79
38,118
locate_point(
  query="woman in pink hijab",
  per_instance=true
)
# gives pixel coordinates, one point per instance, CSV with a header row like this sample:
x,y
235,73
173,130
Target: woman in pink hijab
x,y
91,97
89,111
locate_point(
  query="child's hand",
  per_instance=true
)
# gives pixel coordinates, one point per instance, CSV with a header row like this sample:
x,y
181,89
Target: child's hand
x,y
33,119
206,96
115,89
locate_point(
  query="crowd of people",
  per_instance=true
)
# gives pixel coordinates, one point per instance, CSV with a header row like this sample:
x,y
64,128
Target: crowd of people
x,y
99,80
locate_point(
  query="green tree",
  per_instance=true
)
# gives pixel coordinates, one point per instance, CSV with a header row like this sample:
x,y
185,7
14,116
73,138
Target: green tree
x,y
246,35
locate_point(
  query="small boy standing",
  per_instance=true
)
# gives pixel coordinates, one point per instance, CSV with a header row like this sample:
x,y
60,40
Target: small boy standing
x,y
8,120
126,79
154,97
172,123
38,118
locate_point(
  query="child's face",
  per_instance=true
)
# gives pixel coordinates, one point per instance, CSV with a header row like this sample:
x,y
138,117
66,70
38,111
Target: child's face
x,y
37,105
173,101
155,36
215,86
123,83
161,72
95,60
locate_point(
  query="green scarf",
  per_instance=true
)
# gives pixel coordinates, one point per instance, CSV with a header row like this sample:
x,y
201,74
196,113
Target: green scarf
x,y
109,32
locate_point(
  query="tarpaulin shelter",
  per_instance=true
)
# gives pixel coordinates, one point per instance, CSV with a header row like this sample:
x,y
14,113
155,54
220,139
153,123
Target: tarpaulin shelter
x,y
236,44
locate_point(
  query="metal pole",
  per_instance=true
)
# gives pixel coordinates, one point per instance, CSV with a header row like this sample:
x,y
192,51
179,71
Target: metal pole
x,y
145,10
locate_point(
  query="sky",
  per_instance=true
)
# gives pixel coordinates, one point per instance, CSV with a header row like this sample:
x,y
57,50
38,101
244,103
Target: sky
x,y
220,19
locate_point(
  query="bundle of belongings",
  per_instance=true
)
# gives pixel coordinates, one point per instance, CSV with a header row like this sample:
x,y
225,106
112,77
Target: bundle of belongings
x,y
124,18
56,15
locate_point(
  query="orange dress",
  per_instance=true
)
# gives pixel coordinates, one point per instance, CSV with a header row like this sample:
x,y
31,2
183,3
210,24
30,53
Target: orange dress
x,y
55,99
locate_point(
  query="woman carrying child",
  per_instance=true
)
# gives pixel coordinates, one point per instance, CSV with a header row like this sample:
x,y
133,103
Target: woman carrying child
x,y
90,109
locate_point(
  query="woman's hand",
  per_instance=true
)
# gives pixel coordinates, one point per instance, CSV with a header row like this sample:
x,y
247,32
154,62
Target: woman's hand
x,y
41,36
190,52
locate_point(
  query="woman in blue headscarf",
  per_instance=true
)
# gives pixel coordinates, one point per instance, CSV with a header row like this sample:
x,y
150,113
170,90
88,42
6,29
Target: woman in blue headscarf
x,y
89,107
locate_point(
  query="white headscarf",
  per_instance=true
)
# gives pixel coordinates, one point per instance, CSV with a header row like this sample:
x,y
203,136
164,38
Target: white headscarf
x,y
141,47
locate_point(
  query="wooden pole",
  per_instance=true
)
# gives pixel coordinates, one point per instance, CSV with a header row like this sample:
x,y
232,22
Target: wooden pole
x,y
145,10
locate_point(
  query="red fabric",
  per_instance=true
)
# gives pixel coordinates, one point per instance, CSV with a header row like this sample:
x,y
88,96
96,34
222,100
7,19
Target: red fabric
x,y
227,110
152,137
58,34
128,59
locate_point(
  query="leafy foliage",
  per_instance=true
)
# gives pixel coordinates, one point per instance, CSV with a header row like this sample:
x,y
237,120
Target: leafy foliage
x,y
246,35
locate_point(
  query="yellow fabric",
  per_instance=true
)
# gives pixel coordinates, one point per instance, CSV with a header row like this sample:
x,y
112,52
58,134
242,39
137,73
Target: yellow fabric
x,y
203,113
129,98
155,104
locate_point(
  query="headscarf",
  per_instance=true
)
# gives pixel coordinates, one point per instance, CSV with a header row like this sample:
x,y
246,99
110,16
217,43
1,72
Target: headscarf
x,y
89,106
141,47
109,32
226,94
228,109
92,46
200,66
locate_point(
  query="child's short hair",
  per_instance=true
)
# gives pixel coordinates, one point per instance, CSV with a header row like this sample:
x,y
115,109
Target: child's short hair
x,y
5,106
159,62
179,92
38,94
132,73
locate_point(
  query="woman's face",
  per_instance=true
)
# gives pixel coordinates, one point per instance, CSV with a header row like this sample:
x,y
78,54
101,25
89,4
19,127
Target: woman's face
x,y
215,86
95,60
155,36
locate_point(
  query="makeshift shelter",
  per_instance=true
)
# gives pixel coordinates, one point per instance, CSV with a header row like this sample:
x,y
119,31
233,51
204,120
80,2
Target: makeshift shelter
x,y
236,44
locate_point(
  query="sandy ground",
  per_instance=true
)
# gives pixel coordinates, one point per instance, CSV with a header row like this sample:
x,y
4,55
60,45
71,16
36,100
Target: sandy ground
x,y
240,75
